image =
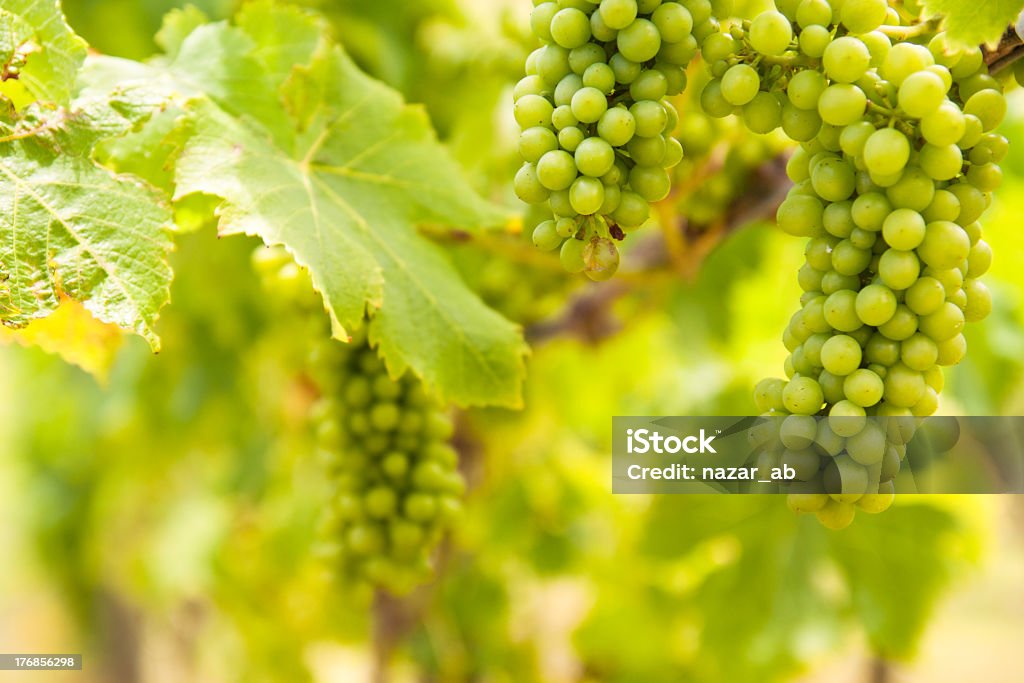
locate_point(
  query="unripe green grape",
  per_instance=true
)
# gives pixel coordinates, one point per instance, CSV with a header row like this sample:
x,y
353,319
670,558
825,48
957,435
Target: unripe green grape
x,y
570,28
914,190
800,216
651,183
863,387
945,245
875,305
768,394
535,142
805,89
560,205
770,33
941,163
528,186
616,126
814,40
867,447
903,387
921,93
904,229
588,104
545,237
902,325
944,323
919,352
540,20
854,137
841,355
848,259
594,157
582,57
563,118
740,84
842,104
841,310
553,64
618,14
802,396
813,12
899,269
600,76
633,210
626,71
529,85
586,195
833,179
986,177
979,259
979,301
800,124
650,118
571,256
674,22
556,170
903,60
886,151
673,153
846,59
713,102
951,351
651,84
647,151
639,41
533,110
862,16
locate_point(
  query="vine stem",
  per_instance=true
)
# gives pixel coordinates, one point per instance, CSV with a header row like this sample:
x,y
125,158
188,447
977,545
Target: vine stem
x,y
909,31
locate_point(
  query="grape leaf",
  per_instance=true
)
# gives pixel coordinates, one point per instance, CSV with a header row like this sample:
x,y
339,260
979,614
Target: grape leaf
x,y
53,52
972,22
73,334
70,228
337,168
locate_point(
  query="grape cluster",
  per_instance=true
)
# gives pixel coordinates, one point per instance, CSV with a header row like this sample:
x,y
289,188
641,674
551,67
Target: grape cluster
x,y
898,156
397,487
596,137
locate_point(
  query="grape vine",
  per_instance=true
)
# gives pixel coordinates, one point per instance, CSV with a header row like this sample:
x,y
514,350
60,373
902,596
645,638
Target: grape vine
x,y
897,161
396,486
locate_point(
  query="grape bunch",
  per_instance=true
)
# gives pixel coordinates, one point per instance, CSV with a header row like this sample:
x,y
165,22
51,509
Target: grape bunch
x,y
397,486
596,138
897,160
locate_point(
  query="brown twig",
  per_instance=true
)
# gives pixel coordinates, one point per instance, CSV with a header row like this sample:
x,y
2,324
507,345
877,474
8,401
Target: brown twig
x,y
1009,50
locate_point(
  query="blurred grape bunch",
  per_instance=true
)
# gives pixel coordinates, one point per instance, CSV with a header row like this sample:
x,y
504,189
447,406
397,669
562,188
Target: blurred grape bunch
x,y
396,487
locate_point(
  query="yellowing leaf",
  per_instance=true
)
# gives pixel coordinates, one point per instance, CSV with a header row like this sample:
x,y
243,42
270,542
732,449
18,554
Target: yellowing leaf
x,y
72,333
975,22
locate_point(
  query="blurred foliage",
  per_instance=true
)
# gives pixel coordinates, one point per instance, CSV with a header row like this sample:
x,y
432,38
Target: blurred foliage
x,y
184,495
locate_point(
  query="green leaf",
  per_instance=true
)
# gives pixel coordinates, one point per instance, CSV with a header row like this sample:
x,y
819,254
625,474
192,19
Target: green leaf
x,y
975,22
53,52
72,229
308,152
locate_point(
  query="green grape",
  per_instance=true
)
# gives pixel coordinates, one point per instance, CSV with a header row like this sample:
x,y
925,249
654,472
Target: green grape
x,y
594,157
805,89
571,256
945,245
903,60
528,186
618,14
650,118
801,216
904,229
770,33
650,84
941,163
899,269
673,21
841,355
740,84
814,40
921,94
863,388
588,104
556,170
842,104
536,142
533,110
632,211
586,195
571,138
813,12
599,76
582,57
846,59
833,179
802,396
651,183
875,305
887,151
570,28
545,237
862,16
639,41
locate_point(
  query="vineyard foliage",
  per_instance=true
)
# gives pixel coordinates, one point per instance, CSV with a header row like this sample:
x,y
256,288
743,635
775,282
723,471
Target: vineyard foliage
x,y
371,147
